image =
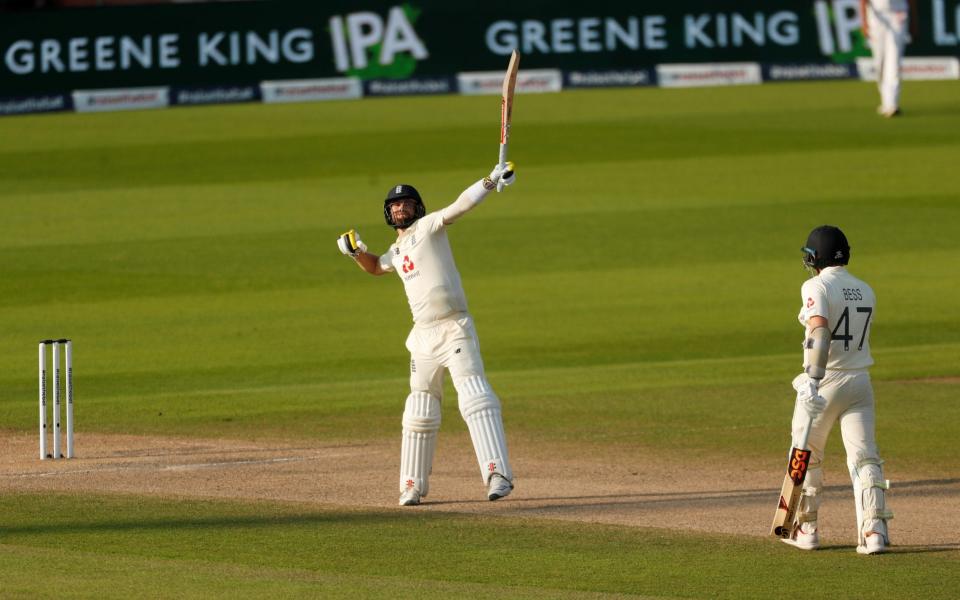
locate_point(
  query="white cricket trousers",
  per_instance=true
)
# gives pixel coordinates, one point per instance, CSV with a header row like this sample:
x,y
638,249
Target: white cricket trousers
x,y
448,344
849,396
887,41
452,344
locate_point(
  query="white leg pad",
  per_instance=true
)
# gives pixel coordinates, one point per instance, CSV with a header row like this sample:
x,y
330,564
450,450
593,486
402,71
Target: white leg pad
x,y
810,499
421,421
480,408
868,493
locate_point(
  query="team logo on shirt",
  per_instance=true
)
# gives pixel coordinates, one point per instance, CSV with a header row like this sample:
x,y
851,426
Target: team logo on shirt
x,y
810,302
407,264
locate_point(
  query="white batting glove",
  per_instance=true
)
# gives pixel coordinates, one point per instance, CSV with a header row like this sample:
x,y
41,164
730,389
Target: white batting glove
x,y
503,173
808,395
350,243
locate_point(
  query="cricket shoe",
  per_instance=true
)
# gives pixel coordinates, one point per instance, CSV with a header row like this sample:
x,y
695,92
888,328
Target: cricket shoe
x,y
500,487
805,537
872,544
410,496
888,113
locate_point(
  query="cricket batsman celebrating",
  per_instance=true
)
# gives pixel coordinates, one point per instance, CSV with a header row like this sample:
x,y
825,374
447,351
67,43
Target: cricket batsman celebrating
x,y
443,335
837,312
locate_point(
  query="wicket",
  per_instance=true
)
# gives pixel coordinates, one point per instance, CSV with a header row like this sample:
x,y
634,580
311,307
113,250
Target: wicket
x,y
55,421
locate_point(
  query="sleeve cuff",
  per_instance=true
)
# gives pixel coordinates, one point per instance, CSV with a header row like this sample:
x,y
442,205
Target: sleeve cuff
x,y
477,191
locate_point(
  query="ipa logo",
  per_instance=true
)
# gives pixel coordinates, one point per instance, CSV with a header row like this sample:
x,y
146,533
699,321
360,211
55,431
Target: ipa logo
x,y
368,46
838,29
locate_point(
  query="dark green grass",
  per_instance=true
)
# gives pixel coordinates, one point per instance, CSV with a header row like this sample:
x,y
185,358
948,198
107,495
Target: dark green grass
x,y
196,549
637,288
189,253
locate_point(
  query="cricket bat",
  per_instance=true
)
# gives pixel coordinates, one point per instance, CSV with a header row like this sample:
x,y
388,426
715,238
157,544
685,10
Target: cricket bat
x,y
506,109
790,493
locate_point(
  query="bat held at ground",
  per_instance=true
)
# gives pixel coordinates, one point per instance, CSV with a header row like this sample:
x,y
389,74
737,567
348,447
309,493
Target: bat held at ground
x,y
790,493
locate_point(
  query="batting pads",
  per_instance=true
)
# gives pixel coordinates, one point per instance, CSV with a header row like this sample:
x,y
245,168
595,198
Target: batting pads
x,y
480,408
421,421
810,498
868,491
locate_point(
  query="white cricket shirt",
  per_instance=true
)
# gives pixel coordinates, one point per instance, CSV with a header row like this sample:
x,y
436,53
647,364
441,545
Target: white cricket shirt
x,y
423,260
848,305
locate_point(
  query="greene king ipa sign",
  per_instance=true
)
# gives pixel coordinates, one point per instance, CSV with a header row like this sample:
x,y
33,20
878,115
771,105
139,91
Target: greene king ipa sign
x,y
225,43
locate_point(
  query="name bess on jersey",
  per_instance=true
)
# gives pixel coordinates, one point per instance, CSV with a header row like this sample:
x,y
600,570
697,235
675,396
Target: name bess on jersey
x,y
852,294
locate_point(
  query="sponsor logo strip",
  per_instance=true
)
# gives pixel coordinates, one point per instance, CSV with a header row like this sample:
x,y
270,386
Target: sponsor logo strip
x,y
708,74
309,90
121,99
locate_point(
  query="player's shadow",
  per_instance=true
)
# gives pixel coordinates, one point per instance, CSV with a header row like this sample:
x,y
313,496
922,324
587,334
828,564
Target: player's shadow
x,y
680,499
611,500
900,549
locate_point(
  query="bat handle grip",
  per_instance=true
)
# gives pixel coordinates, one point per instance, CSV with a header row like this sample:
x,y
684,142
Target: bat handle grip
x,y
803,442
501,162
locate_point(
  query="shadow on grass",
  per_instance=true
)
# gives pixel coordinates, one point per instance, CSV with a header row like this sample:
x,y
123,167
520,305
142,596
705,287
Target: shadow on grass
x,y
182,524
922,549
924,487
897,549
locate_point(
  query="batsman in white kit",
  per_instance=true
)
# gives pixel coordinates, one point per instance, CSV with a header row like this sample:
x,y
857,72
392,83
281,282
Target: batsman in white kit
x,y
443,335
838,311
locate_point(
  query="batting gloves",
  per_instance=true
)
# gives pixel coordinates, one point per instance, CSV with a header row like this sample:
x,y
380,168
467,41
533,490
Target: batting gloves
x,y
808,395
350,244
504,173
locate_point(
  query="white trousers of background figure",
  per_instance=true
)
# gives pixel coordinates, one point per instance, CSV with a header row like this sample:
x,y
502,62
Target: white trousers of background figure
x,y
887,40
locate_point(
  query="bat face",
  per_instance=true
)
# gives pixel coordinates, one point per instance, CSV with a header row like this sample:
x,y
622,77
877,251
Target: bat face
x,y
790,493
799,461
506,104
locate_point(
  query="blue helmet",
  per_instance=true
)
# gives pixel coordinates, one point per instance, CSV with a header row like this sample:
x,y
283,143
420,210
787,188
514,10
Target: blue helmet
x,y
826,246
403,192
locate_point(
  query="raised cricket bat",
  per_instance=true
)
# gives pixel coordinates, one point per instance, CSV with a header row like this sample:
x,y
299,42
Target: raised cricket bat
x,y
792,487
506,108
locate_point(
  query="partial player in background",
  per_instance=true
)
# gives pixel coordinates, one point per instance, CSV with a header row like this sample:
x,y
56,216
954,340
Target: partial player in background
x,y
884,23
838,311
443,336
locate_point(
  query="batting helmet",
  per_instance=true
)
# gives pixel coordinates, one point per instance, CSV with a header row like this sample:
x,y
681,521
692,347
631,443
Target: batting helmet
x,y
826,247
403,192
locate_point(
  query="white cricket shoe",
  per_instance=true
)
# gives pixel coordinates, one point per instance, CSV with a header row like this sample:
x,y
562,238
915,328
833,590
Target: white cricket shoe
x,y
805,537
410,497
872,544
888,113
500,487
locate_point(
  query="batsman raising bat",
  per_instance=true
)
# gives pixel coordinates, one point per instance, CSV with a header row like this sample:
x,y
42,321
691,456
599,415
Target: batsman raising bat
x,y
443,335
837,313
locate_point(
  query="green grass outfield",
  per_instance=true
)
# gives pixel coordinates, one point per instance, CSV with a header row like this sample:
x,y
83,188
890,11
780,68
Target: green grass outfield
x,y
62,546
637,288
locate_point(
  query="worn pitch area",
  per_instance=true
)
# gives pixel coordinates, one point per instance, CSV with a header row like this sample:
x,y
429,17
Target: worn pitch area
x,y
638,491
